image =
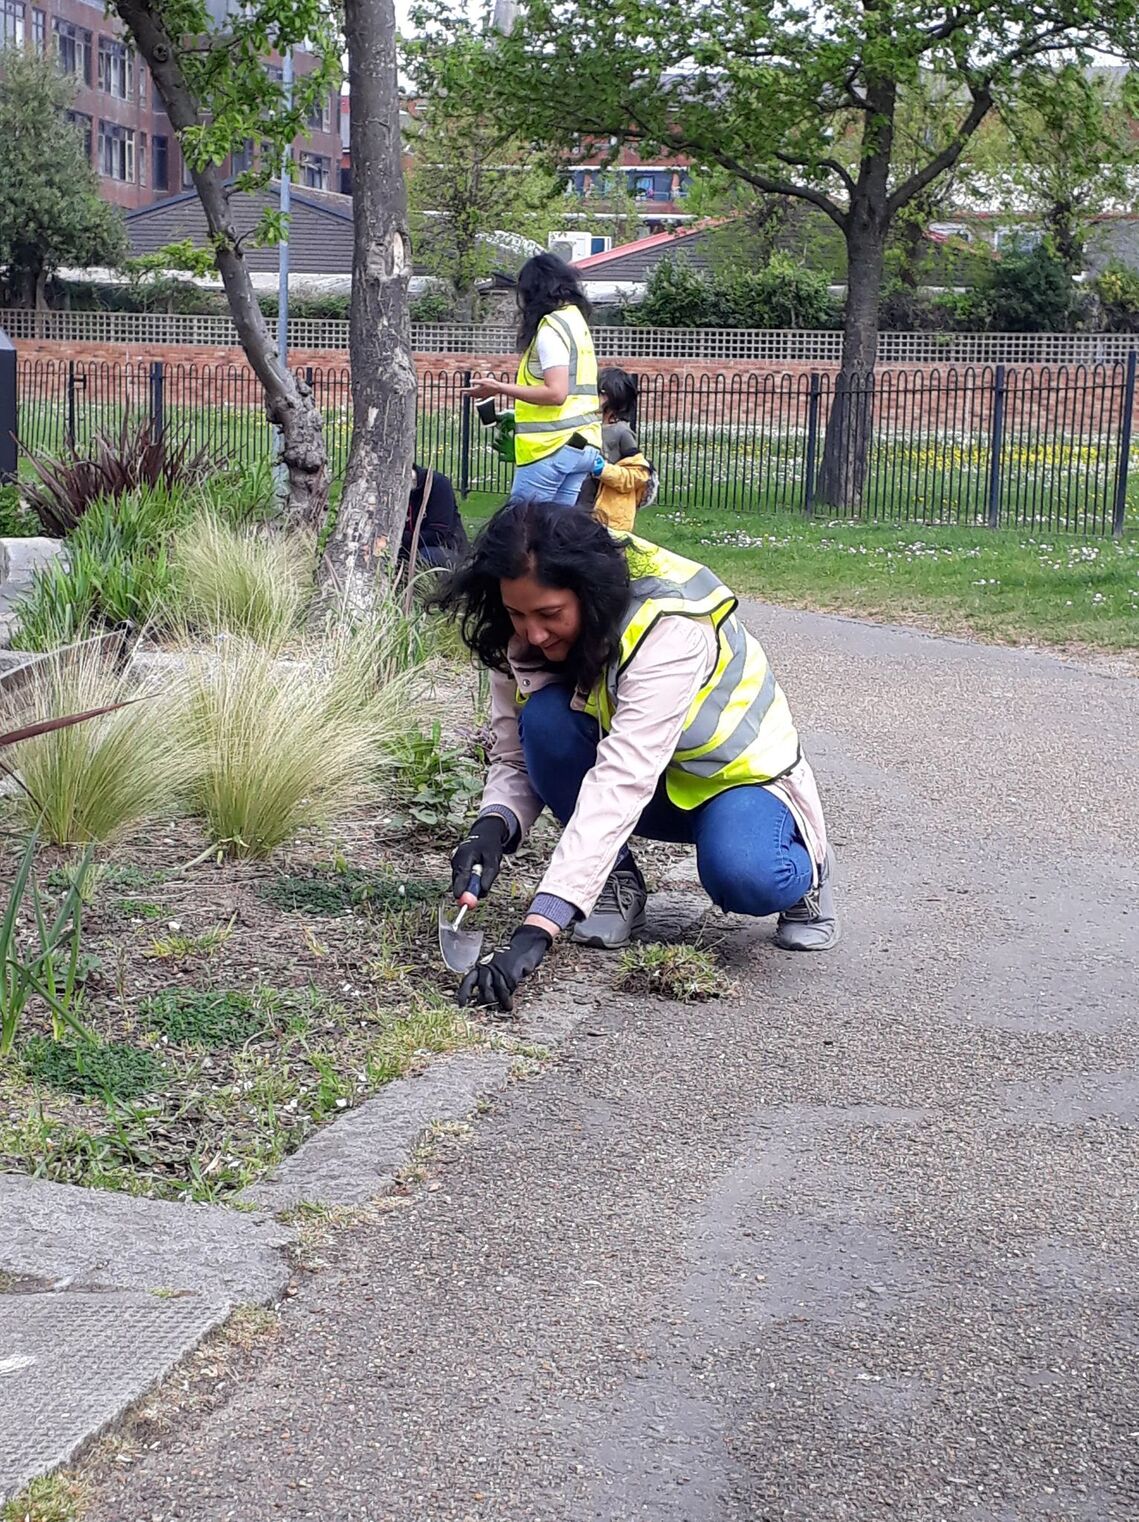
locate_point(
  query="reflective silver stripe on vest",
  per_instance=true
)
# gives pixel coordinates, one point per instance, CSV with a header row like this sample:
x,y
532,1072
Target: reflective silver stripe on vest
x,y
732,747
559,425
695,589
707,721
566,331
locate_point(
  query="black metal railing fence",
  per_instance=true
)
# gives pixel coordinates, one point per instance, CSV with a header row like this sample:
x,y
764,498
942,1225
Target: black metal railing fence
x,y
1037,447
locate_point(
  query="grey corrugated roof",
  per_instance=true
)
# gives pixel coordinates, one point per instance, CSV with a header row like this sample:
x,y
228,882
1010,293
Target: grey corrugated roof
x,y
320,227
320,230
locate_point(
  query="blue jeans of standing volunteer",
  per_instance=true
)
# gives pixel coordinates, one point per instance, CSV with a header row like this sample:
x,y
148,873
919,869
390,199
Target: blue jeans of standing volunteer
x,y
749,853
558,477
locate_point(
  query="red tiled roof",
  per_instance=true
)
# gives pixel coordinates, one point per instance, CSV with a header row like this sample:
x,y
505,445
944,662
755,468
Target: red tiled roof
x,y
646,245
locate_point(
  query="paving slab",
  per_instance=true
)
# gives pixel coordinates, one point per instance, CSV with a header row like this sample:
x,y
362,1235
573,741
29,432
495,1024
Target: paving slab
x,y
98,1239
70,1364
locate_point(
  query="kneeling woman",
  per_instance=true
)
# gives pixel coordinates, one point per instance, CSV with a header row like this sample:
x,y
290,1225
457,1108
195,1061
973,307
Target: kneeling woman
x,y
628,699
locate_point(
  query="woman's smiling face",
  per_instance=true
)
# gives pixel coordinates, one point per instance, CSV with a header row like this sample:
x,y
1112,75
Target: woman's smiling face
x,y
547,618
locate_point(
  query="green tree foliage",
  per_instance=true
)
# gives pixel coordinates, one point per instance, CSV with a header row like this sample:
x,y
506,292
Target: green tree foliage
x,y
1062,152
210,71
1030,292
1117,289
469,183
794,100
782,294
51,213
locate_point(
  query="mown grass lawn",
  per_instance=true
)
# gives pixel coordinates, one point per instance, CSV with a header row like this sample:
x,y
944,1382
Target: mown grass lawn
x,y
1003,586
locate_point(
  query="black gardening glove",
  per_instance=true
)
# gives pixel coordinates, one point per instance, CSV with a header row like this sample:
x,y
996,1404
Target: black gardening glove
x,y
493,981
485,846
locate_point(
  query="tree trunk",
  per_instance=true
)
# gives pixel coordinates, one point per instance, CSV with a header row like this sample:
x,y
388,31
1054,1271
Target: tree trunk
x,y
288,401
373,509
24,278
1066,238
846,450
911,241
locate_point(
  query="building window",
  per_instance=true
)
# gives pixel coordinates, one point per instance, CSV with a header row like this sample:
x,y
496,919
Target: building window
x,y
114,68
242,160
643,187
78,119
142,83
161,147
12,22
142,158
320,115
73,46
39,29
116,152
314,171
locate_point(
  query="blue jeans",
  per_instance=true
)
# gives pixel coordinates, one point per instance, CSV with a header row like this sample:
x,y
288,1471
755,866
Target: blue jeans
x,y
558,477
749,853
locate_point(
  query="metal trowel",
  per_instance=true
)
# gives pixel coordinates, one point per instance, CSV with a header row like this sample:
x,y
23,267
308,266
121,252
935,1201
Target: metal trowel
x,y
460,948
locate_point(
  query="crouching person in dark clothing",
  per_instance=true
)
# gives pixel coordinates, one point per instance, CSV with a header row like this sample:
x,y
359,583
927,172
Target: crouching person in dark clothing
x,y
442,540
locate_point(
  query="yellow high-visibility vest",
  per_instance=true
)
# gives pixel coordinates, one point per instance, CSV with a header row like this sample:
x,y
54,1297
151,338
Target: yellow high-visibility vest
x,y
738,729
541,431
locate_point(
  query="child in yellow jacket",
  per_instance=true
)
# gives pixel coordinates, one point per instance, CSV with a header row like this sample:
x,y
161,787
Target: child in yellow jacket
x,y
621,474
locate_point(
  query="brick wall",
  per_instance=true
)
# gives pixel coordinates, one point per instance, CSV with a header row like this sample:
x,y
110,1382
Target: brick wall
x,y
335,359
686,392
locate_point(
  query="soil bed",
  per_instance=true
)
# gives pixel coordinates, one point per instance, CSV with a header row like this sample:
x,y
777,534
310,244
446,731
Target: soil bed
x,y
236,1006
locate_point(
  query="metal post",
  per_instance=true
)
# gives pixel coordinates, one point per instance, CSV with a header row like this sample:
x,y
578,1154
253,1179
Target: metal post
x,y
812,441
996,436
465,438
8,410
75,383
280,469
283,245
158,400
1120,506
71,404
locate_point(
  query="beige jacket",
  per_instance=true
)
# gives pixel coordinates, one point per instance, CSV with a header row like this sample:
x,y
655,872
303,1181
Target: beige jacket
x,y
654,694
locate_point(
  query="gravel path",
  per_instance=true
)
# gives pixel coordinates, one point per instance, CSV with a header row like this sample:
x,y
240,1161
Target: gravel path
x,y
859,1244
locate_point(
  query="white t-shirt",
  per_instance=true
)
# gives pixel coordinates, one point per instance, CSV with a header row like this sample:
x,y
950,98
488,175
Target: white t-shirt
x,y
550,351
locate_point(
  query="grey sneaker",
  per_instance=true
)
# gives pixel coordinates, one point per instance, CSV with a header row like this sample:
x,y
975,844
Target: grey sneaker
x,y
619,911
812,923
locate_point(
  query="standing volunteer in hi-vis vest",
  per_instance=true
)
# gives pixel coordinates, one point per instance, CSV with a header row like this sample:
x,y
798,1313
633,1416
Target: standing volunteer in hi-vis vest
x,y
557,421
628,699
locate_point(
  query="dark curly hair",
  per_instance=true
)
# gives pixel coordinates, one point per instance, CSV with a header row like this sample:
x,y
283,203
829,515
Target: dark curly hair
x,y
619,388
562,547
546,284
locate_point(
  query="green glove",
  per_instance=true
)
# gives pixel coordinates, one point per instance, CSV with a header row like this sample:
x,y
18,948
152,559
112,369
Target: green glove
x,y
503,442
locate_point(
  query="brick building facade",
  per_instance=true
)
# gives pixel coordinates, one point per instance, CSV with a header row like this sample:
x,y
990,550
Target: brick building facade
x,y
127,135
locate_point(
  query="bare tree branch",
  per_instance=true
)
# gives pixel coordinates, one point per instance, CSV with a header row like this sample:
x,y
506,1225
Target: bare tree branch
x,y
982,104
832,165
772,187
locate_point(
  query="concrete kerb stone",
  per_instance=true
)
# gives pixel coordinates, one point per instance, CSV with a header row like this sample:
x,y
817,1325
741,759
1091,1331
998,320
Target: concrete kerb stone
x,y
360,1156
